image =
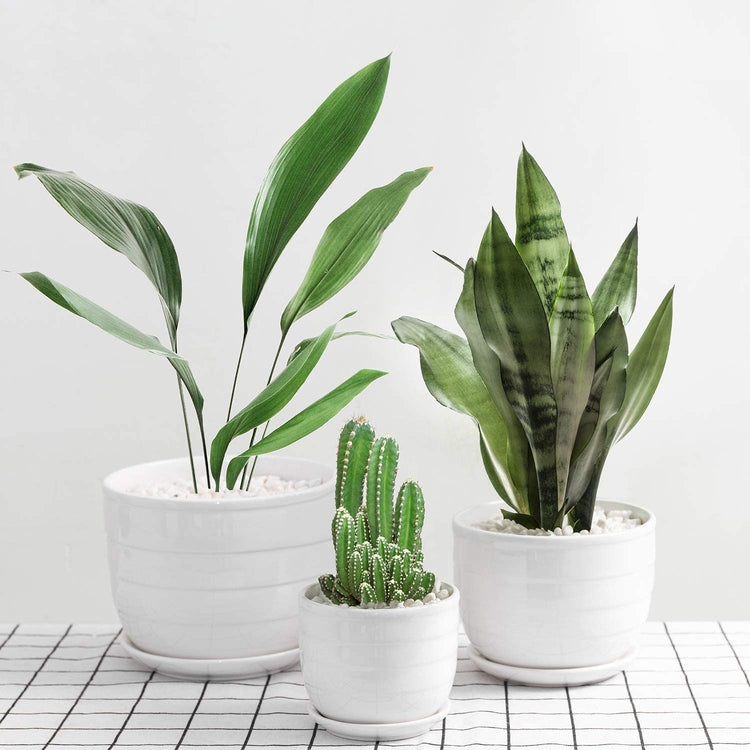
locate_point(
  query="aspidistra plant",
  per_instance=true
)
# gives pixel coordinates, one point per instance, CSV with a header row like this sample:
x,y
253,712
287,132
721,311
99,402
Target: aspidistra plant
x,y
302,171
543,368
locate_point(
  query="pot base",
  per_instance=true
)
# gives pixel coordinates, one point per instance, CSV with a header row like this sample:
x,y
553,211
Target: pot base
x,y
566,677
402,730
212,669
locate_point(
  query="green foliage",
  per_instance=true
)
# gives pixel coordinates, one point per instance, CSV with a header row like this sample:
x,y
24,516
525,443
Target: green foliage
x,y
544,369
300,174
377,540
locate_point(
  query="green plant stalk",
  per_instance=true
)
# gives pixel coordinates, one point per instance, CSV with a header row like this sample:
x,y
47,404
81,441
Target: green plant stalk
x,y
187,434
236,374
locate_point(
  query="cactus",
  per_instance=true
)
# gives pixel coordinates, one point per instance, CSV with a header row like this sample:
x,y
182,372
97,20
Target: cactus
x,y
377,542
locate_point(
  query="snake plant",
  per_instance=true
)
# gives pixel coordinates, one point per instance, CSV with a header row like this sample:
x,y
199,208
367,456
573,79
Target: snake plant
x,y
543,368
302,171
377,541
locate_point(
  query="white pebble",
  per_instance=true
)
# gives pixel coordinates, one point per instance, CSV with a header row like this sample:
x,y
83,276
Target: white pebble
x,y
264,485
604,522
429,598
443,594
409,602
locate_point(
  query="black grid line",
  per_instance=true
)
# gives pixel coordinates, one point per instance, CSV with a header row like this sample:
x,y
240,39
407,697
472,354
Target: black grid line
x,y
143,709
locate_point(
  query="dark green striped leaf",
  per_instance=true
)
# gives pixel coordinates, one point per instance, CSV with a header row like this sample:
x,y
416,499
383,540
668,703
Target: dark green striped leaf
x,y
540,234
348,243
645,368
303,170
619,285
88,310
125,226
449,374
573,360
270,401
307,421
514,324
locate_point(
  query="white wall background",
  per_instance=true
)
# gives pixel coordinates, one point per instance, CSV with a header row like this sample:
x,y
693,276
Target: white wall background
x,y
633,109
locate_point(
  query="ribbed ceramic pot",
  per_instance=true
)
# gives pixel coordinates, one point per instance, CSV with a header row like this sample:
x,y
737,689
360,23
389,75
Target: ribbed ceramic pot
x,y
552,602
215,579
378,666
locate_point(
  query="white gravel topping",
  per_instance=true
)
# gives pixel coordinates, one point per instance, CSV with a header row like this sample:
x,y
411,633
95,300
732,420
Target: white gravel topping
x,y
604,522
260,486
436,596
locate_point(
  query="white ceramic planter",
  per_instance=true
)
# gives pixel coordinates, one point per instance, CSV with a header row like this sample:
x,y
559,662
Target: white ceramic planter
x,y
215,579
553,602
378,666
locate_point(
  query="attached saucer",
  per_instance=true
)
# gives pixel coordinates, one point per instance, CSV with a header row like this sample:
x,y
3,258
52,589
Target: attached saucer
x,y
212,669
402,730
565,677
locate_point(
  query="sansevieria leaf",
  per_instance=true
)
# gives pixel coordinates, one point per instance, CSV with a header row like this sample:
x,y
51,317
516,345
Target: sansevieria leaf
x,y
645,368
450,376
541,239
307,421
303,170
348,244
514,324
88,310
270,401
126,227
572,362
619,285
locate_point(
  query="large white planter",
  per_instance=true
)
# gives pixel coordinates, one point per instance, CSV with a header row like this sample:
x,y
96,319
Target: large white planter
x,y
553,602
215,579
378,666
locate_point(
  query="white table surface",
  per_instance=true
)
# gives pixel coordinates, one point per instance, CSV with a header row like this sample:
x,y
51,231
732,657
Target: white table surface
x,y
74,686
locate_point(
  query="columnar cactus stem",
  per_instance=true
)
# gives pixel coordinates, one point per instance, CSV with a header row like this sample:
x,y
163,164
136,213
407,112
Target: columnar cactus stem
x,y
409,516
381,482
354,448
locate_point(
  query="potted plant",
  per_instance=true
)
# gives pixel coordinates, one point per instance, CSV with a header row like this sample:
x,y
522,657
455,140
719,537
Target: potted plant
x,y
546,373
378,637
207,555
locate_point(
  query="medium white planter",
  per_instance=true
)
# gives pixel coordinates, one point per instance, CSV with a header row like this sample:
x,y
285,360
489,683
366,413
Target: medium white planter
x,y
378,666
554,602
215,579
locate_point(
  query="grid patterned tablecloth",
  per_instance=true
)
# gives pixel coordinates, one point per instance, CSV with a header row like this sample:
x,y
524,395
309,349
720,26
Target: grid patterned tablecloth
x,y
74,686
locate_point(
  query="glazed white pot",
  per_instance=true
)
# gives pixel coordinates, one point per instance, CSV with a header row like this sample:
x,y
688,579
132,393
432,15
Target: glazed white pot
x,y
215,579
553,602
378,666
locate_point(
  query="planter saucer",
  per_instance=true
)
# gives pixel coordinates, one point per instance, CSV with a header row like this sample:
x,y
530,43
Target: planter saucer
x,y
401,730
212,669
561,677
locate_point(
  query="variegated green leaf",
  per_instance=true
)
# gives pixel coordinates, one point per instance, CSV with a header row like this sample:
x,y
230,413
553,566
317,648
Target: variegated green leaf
x,y
541,239
619,285
303,170
572,363
307,421
349,243
514,324
450,376
514,455
124,226
645,368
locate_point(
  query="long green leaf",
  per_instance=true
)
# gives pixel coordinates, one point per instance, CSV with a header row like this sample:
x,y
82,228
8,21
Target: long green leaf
x,y
619,285
348,243
573,361
303,170
514,454
540,233
514,324
270,401
302,345
645,368
450,376
306,422
124,226
88,310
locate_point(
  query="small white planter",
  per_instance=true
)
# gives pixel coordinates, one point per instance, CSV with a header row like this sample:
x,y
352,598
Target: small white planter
x,y
552,605
215,582
378,666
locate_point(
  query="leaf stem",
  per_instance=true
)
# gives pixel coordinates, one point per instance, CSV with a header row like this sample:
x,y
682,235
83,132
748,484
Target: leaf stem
x,y
187,434
265,428
236,374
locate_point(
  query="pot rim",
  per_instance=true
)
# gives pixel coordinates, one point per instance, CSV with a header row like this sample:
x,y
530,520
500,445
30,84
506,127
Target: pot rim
x,y
360,613
113,492
462,528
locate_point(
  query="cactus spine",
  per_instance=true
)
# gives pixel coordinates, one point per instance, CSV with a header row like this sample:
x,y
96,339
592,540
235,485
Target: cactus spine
x,y
377,542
